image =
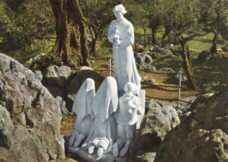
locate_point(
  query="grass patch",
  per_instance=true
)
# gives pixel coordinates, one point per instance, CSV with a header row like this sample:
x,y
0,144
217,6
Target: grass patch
x,y
205,42
200,43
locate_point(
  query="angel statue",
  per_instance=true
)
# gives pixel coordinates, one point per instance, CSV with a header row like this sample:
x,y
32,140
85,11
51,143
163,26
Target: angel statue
x,y
121,35
103,131
128,118
82,106
95,126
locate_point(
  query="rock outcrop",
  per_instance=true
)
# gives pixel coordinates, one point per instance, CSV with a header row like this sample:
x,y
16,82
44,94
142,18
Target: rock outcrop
x,y
76,82
63,82
158,121
201,137
30,117
56,79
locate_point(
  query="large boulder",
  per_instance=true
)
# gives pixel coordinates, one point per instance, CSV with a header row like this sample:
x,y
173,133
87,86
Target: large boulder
x,y
145,62
143,58
57,75
202,137
56,79
161,51
63,83
30,117
76,81
7,155
158,121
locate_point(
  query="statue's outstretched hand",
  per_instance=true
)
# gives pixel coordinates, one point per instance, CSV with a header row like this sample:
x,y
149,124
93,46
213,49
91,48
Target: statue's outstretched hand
x,y
116,42
79,140
76,139
73,137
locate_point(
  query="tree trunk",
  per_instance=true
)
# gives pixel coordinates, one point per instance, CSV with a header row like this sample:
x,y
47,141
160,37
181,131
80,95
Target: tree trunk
x,y
214,43
95,39
154,40
71,42
167,31
145,37
185,54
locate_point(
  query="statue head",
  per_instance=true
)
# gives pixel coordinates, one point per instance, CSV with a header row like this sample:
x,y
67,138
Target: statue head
x,y
89,84
119,11
130,88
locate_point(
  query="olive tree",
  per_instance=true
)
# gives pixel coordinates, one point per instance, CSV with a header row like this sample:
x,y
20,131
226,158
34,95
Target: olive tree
x,y
71,30
214,19
182,18
24,24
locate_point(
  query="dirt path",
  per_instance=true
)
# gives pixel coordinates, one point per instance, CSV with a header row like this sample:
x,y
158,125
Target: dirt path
x,y
164,88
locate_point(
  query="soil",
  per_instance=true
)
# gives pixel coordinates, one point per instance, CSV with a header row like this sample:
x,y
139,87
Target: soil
x,y
164,88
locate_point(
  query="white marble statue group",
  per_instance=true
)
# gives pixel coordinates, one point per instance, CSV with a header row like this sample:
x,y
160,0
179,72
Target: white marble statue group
x,y
107,119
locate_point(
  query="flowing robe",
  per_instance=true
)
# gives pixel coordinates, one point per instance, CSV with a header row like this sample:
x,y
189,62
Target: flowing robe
x,y
82,106
124,62
104,106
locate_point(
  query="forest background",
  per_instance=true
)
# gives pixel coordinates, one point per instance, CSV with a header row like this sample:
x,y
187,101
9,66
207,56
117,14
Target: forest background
x,y
74,33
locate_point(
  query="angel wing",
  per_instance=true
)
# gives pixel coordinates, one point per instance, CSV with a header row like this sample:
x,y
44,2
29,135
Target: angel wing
x,y
106,100
82,105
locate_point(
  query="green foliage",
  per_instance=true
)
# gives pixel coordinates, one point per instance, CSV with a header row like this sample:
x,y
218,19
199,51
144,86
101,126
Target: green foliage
x,y
214,16
97,11
180,16
202,43
138,14
24,26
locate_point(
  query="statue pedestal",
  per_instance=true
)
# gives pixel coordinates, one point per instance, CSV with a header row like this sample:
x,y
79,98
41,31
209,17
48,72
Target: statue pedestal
x,y
82,155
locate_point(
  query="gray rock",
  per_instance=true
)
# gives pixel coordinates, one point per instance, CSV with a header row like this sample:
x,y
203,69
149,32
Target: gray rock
x,y
167,69
149,68
158,121
30,117
200,137
57,75
55,90
76,82
56,80
145,62
161,119
190,105
39,62
7,155
143,58
62,104
35,59
39,75
160,50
